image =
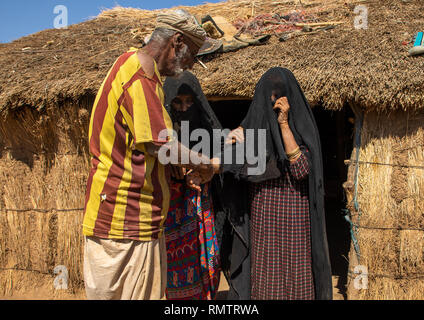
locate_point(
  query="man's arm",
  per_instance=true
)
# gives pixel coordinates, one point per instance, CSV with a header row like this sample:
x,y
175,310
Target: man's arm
x,y
206,167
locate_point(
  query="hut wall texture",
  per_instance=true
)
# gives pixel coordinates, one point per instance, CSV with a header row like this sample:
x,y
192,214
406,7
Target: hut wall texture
x,y
391,203
43,170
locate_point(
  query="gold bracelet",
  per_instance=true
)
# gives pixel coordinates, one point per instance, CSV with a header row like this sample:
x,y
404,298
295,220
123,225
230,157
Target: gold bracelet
x,y
293,153
294,158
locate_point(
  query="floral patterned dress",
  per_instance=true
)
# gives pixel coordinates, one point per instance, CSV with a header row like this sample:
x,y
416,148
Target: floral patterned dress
x,y
192,247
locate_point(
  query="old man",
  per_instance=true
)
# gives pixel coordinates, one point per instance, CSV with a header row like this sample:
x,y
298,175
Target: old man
x,y
128,194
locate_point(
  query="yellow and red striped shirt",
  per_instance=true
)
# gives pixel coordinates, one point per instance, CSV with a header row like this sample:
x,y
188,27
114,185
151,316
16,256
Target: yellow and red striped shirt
x,y
127,190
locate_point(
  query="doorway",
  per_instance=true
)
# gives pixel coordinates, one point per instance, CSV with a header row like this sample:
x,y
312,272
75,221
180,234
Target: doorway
x,y
336,132
230,112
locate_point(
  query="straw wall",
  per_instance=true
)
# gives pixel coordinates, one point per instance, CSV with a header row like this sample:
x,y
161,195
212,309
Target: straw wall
x,y
43,170
391,203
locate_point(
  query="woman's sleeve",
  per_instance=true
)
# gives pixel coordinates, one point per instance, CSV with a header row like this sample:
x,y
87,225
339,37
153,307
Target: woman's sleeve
x,y
300,169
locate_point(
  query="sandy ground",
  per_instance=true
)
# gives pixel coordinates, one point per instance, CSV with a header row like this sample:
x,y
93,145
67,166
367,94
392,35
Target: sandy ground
x,y
223,289
46,293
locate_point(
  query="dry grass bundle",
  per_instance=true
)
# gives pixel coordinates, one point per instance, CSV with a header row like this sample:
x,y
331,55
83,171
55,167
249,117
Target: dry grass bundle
x,y
412,252
390,196
24,285
389,289
379,252
70,244
231,9
39,179
28,246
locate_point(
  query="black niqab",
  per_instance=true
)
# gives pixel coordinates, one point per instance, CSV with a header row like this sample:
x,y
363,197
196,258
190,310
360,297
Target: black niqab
x,y
199,115
261,115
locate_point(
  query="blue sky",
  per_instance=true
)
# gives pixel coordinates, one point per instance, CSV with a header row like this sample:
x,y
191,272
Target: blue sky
x,y
19,18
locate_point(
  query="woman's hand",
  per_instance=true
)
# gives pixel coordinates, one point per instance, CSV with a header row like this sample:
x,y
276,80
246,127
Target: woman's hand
x,y
235,136
216,164
282,106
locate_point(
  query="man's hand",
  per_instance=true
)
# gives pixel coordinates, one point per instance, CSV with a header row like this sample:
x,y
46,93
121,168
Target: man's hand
x,y
206,167
235,136
194,181
178,172
282,106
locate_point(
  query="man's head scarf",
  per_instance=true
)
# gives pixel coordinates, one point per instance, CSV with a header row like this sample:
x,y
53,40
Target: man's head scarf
x,y
184,23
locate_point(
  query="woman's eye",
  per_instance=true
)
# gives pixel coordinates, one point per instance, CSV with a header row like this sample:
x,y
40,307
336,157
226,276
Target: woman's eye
x,y
177,102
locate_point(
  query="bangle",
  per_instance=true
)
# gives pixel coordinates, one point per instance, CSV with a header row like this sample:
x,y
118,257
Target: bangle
x,y
293,153
294,158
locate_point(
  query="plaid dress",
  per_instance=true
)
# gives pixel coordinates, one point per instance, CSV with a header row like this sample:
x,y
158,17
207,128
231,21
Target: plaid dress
x,y
281,236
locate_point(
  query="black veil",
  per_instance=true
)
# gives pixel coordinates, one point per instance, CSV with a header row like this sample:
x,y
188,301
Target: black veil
x,y
202,116
281,82
201,112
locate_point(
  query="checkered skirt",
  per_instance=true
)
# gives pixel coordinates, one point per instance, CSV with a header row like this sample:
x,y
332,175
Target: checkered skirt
x,y
281,237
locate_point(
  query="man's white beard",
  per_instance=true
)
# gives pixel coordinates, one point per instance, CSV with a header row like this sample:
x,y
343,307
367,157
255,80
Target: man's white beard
x,y
179,57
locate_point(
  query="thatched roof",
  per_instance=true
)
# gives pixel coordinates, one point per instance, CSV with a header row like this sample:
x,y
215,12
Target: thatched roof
x,y
370,67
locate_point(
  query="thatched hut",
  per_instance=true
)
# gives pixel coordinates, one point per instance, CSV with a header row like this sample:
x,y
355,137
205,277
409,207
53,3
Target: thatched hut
x,y
368,98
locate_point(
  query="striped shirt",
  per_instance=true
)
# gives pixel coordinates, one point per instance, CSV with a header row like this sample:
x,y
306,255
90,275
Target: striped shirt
x,y
127,190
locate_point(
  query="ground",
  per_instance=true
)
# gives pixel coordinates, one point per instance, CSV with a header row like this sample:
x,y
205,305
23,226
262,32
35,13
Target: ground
x,y
223,289
45,292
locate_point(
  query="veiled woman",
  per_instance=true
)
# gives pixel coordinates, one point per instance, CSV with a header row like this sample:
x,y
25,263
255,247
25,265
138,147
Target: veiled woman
x,y
192,247
283,254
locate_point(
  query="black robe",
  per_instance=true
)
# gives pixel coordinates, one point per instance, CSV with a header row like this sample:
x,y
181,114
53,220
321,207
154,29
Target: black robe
x,y
282,83
199,115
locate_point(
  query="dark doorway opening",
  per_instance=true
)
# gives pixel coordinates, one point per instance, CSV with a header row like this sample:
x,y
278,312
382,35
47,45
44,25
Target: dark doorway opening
x,y
230,112
336,133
